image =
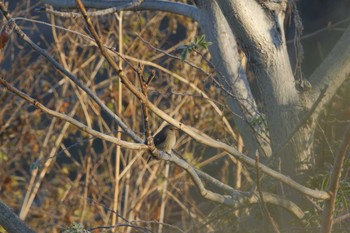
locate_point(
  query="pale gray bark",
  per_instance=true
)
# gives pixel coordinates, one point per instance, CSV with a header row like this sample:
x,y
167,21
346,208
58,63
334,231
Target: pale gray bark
x,y
260,33
333,71
226,60
153,5
262,39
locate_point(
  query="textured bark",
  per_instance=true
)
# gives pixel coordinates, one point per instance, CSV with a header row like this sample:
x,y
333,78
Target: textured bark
x,y
262,39
226,59
10,221
257,28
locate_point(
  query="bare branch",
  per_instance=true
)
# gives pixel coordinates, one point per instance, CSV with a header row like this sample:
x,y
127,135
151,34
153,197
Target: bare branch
x,y
219,184
333,71
236,201
10,221
58,66
341,218
190,84
148,134
78,15
136,5
329,207
82,127
196,134
225,48
266,210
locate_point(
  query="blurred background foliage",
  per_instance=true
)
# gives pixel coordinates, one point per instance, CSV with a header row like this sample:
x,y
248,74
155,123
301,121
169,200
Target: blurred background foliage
x,y
75,179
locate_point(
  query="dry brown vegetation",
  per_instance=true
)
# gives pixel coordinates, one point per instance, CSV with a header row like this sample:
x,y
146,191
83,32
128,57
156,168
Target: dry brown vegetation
x,y
53,174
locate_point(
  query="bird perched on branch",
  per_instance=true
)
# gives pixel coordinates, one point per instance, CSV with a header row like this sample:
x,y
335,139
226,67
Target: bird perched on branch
x,y
165,139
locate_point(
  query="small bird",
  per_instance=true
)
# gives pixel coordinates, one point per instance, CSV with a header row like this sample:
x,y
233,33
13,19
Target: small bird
x,y
165,139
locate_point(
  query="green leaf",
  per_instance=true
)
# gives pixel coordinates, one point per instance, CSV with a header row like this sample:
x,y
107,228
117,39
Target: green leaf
x,y
35,165
201,39
199,42
184,54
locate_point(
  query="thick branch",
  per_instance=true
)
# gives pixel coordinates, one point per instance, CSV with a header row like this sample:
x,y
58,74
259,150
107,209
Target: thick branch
x,y
224,187
152,5
224,48
261,32
10,221
262,200
196,134
261,38
333,71
195,174
238,200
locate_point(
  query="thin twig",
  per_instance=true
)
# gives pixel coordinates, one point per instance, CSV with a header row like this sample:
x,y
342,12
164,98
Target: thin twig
x,y
203,191
142,229
329,207
118,107
219,184
262,202
340,218
196,134
229,92
161,223
58,66
82,127
329,27
163,197
75,15
216,82
148,134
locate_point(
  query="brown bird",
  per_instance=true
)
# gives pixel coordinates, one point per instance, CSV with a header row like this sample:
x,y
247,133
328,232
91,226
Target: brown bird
x,y
165,139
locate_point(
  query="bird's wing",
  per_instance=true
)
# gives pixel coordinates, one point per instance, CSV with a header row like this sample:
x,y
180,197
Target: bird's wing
x,y
159,138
